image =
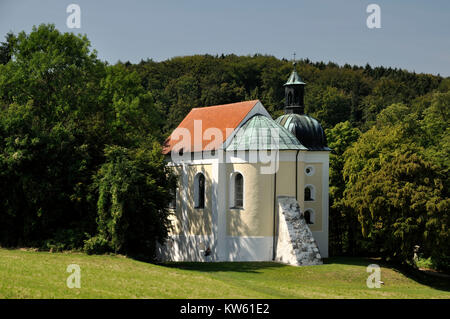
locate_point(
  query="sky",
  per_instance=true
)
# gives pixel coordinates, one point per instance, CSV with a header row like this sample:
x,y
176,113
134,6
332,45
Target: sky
x,y
414,35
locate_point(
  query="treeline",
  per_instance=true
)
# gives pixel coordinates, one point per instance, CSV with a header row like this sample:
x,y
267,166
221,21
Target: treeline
x,y
333,94
80,138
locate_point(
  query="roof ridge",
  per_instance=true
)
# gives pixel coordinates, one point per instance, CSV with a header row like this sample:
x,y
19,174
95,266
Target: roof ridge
x,y
220,105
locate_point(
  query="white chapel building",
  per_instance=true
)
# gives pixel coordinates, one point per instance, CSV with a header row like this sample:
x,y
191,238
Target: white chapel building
x,y
236,168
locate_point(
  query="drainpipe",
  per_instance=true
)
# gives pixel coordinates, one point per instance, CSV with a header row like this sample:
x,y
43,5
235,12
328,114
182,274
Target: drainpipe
x,y
296,175
274,212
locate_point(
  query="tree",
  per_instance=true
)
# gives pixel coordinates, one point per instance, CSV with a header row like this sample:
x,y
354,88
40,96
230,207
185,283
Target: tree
x,y
400,206
60,107
343,225
47,92
385,92
6,48
134,194
400,198
129,115
330,105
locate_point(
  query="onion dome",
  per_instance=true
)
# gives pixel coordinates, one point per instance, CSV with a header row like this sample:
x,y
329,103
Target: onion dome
x,y
306,129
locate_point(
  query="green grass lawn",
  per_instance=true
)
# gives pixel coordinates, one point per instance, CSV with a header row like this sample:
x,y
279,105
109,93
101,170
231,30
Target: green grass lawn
x,y
27,274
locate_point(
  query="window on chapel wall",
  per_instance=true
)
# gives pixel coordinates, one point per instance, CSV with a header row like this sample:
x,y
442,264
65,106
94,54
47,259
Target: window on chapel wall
x,y
236,190
199,191
239,191
309,193
309,217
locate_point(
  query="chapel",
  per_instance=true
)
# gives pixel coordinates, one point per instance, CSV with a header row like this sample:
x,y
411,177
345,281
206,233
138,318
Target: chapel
x,y
250,188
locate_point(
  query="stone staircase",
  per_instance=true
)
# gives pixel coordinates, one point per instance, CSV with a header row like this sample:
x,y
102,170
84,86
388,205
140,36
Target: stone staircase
x,y
295,243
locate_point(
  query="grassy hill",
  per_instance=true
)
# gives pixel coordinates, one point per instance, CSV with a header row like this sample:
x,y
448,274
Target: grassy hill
x,y
28,274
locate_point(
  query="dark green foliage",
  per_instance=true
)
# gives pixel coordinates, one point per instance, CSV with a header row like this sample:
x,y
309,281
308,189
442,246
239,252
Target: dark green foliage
x,y
48,95
65,239
6,48
397,185
333,94
60,107
97,245
401,205
330,105
133,200
344,226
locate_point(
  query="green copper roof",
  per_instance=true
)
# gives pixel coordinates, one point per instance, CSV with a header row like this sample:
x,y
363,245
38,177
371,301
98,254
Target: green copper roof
x,y
307,129
263,133
294,78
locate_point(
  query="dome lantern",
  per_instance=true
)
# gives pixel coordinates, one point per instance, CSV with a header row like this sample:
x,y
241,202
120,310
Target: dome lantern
x,y
305,128
294,90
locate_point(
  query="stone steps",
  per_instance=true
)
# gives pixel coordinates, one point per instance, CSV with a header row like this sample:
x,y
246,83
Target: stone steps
x,y
296,244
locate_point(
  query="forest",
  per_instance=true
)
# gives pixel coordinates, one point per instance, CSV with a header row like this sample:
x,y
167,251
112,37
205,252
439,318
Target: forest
x,y
80,145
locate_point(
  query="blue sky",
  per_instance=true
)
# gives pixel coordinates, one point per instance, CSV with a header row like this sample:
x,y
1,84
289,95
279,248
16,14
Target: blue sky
x,y
414,35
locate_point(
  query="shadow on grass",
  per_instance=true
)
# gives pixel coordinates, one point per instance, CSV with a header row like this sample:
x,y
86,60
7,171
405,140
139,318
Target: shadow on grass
x,y
421,277
248,267
433,280
353,261
424,278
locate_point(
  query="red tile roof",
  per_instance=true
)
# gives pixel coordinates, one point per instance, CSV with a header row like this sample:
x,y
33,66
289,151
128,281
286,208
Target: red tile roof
x,y
218,116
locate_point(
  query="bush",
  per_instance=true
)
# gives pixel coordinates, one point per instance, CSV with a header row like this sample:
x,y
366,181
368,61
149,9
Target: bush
x,y
65,239
132,204
96,245
441,262
52,246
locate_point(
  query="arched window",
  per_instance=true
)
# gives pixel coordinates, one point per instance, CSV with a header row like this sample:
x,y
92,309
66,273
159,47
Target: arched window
x,y
199,191
309,193
237,190
290,98
309,216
